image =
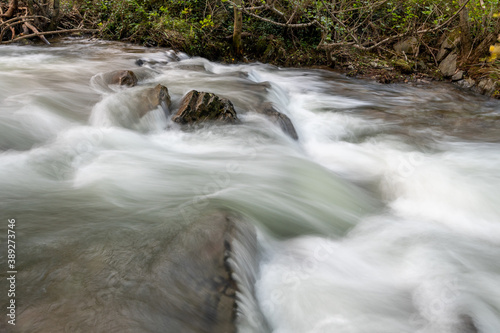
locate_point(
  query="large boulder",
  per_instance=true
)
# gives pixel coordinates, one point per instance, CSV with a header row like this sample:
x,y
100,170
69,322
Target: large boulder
x,y
197,107
408,46
143,109
486,87
279,119
450,42
197,263
150,99
122,78
448,66
176,280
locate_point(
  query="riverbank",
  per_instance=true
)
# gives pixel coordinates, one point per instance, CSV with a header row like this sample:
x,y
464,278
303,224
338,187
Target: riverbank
x,y
402,41
412,57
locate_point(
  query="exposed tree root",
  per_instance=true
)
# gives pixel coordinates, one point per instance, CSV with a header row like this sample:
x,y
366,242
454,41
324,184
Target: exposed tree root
x,y
36,19
13,6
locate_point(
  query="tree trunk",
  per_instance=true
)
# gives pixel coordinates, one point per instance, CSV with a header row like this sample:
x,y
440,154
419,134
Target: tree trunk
x,y
54,21
31,8
466,38
238,27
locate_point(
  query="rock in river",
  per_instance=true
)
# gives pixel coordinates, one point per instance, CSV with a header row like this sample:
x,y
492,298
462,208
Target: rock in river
x,y
179,278
122,78
279,119
151,98
199,107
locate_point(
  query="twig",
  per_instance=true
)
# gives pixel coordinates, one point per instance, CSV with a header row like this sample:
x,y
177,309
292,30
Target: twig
x,y
295,25
11,27
375,5
429,49
13,4
364,48
22,18
446,22
351,33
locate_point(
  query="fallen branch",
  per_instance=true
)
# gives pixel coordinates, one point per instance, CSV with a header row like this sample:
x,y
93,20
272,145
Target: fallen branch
x,y
56,32
11,27
36,32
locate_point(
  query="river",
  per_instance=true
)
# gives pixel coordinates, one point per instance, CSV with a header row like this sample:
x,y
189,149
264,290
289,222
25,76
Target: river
x,y
383,217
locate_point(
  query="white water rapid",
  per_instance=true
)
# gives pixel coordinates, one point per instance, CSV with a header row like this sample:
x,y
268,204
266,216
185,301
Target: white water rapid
x,y
384,216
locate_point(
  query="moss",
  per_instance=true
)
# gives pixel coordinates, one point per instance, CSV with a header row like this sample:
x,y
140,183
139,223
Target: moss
x,y
403,66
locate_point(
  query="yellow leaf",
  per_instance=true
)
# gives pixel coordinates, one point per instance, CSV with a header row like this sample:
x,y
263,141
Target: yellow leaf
x,y
495,52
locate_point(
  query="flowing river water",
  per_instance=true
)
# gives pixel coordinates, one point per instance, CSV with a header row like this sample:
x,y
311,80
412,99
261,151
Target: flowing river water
x,y
383,217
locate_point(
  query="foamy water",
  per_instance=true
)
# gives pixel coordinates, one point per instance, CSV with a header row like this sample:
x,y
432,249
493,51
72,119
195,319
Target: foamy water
x,y
382,217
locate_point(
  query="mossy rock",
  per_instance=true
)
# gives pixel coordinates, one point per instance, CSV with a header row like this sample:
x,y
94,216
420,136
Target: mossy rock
x,y
198,107
403,66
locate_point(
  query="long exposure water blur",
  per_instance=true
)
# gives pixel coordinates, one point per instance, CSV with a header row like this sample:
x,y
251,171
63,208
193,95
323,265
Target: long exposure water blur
x,y
383,217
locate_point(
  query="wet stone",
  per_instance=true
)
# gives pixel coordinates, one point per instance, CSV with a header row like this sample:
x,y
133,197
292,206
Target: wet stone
x,y
197,107
122,78
279,119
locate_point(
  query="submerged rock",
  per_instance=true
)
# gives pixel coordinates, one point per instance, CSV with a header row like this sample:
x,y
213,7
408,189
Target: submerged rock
x,y
122,78
279,119
199,107
197,263
150,99
176,280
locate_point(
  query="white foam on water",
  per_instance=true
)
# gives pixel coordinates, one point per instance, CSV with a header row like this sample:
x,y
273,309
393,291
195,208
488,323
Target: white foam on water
x,y
362,228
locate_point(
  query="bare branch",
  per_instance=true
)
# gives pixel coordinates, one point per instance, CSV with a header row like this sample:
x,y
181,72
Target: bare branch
x,y
257,8
11,27
372,6
295,25
363,47
22,18
447,21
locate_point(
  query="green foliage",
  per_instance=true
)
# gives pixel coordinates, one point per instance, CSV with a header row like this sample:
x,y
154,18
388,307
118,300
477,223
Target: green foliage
x,y
207,22
204,27
151,22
